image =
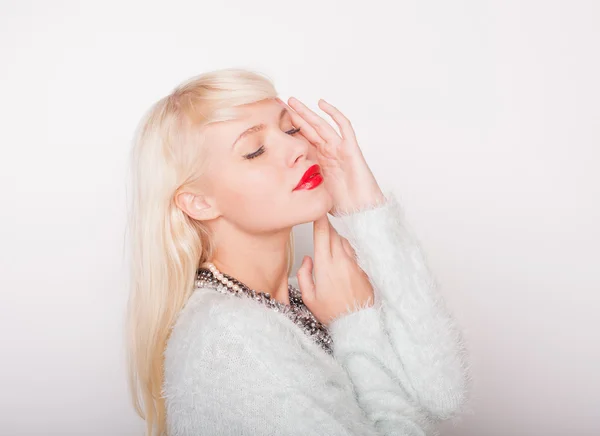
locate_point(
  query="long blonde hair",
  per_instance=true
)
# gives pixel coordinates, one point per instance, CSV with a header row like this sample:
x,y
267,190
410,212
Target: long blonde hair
x,y
167,246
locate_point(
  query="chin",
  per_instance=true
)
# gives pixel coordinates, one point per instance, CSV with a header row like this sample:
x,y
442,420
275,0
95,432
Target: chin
x,y
313,206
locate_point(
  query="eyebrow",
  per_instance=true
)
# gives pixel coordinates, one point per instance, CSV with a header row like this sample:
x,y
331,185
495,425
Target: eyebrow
x,y
256,128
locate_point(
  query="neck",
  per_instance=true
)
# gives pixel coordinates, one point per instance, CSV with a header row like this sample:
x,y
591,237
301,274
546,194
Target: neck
x,y
258,261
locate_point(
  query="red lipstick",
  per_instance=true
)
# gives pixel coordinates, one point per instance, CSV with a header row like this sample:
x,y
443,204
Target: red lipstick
x,y
310,179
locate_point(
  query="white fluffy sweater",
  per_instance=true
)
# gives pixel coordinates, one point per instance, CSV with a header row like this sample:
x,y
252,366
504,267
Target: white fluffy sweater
x,y
235,367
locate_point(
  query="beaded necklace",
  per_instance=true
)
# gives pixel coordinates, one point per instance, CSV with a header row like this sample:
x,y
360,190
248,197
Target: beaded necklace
x,y
209,276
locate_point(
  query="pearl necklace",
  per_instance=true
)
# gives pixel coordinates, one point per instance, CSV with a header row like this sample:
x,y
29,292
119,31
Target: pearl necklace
x,y
209,276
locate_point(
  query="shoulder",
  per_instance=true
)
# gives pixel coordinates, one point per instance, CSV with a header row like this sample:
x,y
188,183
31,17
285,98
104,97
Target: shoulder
x,y
207,358
209,321
235,367
220,335
211,318
217,332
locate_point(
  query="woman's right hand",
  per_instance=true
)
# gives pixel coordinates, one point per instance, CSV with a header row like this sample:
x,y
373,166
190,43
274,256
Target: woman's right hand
x,y
339,284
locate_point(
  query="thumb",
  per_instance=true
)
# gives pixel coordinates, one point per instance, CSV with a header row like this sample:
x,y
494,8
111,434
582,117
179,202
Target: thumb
x,y
305,279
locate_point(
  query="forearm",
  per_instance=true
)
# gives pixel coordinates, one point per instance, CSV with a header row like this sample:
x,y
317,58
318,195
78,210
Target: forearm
x,y
362,346
422,333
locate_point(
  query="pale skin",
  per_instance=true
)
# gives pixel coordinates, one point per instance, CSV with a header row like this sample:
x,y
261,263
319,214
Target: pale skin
x,y
250,205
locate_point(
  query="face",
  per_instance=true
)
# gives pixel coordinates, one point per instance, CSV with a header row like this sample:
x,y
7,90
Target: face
x,y
253,173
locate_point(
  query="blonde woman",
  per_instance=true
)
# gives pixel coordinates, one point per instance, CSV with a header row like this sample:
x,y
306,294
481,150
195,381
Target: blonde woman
x,y
220,343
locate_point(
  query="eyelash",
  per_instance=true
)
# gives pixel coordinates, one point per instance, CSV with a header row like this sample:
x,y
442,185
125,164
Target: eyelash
x,y
261,150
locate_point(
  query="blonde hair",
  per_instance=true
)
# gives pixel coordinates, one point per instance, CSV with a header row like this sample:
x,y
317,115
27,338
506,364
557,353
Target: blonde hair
x,y
167,246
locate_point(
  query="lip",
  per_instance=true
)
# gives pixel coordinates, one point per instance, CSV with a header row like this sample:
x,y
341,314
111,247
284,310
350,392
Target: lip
x,y
310,172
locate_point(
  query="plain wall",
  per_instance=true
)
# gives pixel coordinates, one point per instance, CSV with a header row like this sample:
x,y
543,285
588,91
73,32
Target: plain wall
x,y
483,116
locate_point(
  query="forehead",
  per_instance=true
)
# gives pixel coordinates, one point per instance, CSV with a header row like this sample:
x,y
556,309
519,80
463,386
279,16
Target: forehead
x,y
258,110
248,115
265,111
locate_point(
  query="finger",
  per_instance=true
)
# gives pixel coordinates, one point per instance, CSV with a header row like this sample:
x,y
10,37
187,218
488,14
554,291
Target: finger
x,y
340,119
321,237
335,241
306,129
348,248
306,282
323,128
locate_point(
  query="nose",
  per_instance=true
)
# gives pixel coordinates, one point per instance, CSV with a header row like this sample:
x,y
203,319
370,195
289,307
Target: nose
x,y
298,149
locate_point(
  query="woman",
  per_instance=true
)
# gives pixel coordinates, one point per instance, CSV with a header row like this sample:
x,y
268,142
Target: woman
x,y
220,342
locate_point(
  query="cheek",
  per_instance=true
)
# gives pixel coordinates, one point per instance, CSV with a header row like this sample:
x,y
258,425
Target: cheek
x,y
260,200
256,183
252,193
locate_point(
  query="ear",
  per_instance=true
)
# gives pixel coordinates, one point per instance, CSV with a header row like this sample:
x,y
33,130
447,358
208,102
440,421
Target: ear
x,y
197,206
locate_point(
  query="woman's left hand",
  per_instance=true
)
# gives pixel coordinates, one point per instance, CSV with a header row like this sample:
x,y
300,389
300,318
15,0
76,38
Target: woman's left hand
x,y
346,174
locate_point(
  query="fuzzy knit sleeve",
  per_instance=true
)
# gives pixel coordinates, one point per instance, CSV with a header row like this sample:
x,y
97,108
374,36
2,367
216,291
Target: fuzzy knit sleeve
x,y
416,341
234,368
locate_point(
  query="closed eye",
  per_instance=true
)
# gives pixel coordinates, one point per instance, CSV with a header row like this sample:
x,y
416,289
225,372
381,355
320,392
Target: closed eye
x,y
262,150
291,132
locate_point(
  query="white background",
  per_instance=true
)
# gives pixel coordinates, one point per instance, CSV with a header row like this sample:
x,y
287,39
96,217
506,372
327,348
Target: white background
x,y
484,117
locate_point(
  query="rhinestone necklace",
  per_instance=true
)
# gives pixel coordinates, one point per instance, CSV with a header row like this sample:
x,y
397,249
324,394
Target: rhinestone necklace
x,y
209,276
